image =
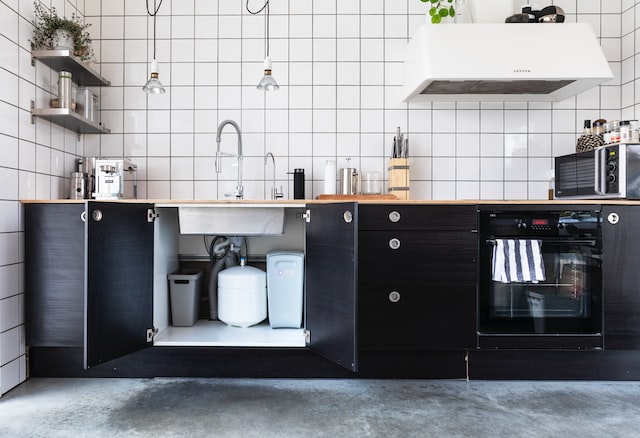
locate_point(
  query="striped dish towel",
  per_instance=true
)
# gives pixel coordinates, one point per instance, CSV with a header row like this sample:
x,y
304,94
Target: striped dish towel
x,y
518,260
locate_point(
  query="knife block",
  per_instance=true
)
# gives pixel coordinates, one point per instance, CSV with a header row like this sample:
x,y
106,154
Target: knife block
x,y
398,178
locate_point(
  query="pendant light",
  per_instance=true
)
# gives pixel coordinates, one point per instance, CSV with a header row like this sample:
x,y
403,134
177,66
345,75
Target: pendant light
x,y
153,85
267,83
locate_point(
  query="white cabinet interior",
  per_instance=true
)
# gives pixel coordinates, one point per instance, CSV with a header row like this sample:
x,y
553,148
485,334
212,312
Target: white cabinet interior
x,y
170,248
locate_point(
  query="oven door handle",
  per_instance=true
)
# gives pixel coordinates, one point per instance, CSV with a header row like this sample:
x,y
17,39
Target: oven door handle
x,y
587,242
600,175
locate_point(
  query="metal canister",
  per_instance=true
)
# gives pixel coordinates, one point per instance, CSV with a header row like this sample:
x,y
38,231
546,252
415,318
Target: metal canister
x,y
64,89
348,181
87,165
78,185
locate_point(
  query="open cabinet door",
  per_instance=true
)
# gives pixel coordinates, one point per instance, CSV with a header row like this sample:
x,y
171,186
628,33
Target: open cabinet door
x,y
119,280
331,282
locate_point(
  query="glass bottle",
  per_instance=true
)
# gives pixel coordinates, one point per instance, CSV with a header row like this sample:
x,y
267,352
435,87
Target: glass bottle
x,y
625,131
615,131
606,136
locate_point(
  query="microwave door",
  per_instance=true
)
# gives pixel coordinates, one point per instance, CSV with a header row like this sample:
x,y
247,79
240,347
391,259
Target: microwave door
x,y
586,174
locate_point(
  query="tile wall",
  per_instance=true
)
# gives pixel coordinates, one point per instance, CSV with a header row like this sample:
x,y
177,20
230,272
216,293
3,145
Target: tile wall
x,y
35,160
339,65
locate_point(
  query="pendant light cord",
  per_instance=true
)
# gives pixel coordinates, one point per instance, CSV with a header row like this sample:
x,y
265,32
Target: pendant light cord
x,y
153,14
264,7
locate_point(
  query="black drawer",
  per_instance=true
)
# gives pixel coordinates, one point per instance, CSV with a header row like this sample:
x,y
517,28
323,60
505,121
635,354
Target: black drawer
x,y
419,256
416,217
410,316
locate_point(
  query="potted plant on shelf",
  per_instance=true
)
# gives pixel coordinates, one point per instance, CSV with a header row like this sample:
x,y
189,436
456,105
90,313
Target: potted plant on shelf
x,y
53,32
441,9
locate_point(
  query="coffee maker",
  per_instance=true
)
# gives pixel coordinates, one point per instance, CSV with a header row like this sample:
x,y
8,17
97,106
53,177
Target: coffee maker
x,y
109,178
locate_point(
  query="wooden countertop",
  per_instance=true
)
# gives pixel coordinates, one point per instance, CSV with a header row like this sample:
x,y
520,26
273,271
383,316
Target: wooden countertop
x,y
363,199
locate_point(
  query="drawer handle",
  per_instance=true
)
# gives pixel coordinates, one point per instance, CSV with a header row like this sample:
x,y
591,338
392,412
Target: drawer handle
x,y
394,296
394,216
394,243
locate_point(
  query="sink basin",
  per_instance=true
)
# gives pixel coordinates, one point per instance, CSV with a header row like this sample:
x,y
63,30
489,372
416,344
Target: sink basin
x,y
232,221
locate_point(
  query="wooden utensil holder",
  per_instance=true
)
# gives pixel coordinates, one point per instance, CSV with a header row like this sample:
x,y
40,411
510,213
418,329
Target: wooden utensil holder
x,y
398,177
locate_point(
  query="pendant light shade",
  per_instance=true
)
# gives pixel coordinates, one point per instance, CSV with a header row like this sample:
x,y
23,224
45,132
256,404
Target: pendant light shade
x,y
153,85
267,83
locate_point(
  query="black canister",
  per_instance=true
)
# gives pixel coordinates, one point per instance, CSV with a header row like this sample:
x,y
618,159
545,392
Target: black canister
x,y
298,184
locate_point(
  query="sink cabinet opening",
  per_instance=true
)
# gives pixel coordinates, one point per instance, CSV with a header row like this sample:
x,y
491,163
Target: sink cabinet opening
x,y
175,252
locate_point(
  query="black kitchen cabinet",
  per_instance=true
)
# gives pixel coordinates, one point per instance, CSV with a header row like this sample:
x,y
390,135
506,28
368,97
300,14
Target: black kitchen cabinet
x,y
119,288
54,273
91,269
621,276
89,277
417,276
331,271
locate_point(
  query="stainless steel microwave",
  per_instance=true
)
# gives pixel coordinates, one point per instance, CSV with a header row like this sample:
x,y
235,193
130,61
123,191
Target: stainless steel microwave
x,y
611,171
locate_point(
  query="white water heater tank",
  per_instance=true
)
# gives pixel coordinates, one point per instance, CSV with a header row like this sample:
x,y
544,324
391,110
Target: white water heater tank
x,y
242,296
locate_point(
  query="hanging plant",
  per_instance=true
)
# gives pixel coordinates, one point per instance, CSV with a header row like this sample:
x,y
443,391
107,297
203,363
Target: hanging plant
x,y
47,22
440,9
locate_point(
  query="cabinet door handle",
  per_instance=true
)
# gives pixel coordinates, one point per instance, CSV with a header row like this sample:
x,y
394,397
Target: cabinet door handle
x,y
96,215
394,243
394,296
613,218
394,216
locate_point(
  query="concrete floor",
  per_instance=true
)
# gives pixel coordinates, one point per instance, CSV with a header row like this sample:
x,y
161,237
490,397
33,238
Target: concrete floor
x,y
172,407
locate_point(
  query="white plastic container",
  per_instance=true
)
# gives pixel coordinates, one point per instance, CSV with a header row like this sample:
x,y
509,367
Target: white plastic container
x,y
242,296
285,282
330,178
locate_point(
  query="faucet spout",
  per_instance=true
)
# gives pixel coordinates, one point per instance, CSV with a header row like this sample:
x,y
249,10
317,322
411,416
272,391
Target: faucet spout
x,y
239,192
274,191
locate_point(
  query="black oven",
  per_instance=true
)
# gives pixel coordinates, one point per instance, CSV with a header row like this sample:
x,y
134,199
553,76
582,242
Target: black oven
x,y
540,277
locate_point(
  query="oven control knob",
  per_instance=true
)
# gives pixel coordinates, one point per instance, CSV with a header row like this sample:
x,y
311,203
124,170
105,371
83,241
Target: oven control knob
x,y
522,225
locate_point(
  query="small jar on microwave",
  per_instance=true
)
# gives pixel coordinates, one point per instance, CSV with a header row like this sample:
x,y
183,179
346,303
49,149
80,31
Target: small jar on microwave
x,y
615,131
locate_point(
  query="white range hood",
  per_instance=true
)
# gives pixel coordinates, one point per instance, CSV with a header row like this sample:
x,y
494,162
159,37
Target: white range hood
x,y
503,62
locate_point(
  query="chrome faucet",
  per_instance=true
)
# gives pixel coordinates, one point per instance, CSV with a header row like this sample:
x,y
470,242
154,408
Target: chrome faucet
x,y
274,191
239,191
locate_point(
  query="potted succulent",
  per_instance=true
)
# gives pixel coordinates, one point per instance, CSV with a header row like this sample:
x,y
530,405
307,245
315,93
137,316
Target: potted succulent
x,y
50,31
441,9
